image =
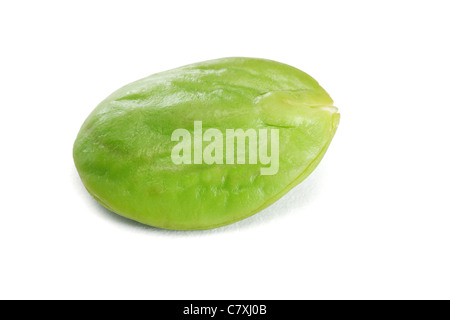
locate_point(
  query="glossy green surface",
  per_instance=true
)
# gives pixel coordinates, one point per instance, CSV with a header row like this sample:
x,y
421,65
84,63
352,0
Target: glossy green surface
x,y
123,150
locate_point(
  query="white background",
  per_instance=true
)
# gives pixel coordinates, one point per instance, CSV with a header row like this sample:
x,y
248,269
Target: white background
x,y
373,221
